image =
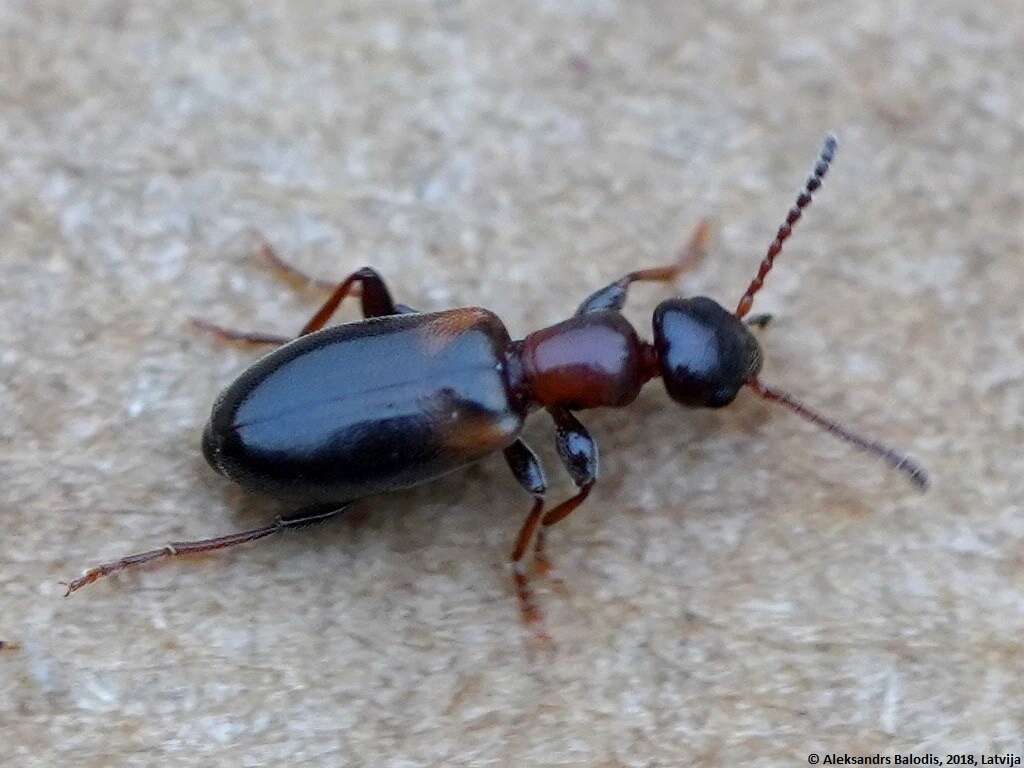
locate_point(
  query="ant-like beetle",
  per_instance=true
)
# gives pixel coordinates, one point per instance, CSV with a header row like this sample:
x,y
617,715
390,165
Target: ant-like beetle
x,y
404,397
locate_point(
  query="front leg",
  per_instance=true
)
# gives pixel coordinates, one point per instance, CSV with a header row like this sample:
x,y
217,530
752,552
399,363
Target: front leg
x,y
613,296
578,452
527,470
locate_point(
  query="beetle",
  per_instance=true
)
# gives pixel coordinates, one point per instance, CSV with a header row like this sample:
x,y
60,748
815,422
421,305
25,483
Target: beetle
x,y
403,397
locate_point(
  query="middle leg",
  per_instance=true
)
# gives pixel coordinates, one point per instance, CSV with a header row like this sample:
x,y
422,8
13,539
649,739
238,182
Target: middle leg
x,y
366,283
299,279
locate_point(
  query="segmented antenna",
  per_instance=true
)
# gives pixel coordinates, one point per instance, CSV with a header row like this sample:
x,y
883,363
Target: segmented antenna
x,y
914,471
828,151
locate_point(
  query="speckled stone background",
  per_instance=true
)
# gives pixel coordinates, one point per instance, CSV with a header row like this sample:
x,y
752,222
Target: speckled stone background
x,y
740,588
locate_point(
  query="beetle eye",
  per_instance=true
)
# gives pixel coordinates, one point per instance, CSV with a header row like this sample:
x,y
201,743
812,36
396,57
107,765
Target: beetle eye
x,y
705,353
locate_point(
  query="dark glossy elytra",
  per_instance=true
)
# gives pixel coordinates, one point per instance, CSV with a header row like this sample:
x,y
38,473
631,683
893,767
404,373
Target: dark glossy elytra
x,y
402,397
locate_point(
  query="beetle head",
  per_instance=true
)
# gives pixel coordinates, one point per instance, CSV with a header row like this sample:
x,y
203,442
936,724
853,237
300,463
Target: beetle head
x,y
705,352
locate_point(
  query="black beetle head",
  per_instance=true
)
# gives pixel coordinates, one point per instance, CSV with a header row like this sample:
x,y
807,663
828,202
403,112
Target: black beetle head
x,y
705,353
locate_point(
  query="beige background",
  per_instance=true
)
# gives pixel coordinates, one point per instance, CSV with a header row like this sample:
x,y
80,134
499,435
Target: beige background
x,y
740,585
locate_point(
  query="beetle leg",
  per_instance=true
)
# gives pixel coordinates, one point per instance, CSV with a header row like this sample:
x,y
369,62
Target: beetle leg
x,y
578,452
239,337
301,279
374,294
300,519
613,296
367,284
527,470
292,274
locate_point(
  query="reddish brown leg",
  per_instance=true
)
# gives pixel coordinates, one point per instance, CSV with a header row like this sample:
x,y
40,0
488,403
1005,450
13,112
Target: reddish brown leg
x,y
527,606
613,296
178,548
376,299
578,452
541,563
230,335
293,275
301,280
366,284
527,470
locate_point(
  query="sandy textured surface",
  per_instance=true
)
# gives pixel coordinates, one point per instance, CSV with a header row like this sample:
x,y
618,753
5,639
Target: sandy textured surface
x,y
739,587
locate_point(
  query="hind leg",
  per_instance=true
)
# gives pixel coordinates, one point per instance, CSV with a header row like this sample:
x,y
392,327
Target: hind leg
x,y
300,519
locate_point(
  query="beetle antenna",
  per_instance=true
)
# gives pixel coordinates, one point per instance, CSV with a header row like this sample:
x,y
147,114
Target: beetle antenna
x,y
828,151
914,471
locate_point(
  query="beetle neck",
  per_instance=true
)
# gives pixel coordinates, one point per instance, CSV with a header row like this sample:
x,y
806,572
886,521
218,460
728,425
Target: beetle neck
x,y
588,361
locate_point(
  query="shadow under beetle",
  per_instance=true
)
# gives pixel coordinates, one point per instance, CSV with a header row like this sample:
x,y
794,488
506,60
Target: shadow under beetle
x,y
404,397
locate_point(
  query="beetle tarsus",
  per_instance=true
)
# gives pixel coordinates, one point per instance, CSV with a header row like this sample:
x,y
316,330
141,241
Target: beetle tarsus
x,y
292,274
233,336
